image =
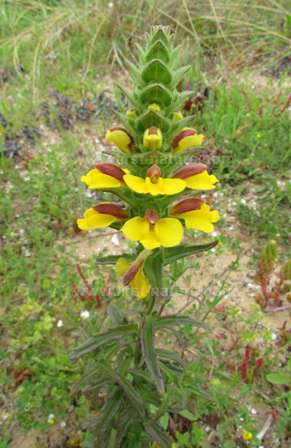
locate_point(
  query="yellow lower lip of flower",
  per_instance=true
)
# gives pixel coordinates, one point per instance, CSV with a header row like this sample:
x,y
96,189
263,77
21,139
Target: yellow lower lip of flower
x,y
201,181
201,219
120,138
140,284
94,220
94,179
162,186
166,232
192,141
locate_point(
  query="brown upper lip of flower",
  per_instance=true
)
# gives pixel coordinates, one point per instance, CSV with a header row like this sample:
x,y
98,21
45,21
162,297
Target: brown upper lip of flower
x,y
190,170
187,205
111,170
108,208
181,135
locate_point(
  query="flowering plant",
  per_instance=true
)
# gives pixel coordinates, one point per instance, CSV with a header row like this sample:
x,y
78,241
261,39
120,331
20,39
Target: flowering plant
x,y
156,186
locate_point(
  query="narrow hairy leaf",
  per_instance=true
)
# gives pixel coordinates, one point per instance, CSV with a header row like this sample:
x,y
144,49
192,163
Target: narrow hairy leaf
x,y
112,259
104,338
173,321
158,434
149,353
172,254
130,392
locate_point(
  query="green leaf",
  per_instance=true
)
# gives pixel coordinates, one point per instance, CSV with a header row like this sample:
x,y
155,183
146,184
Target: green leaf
x,y
149,353
153,269
169,356
188,415
172,254
116,334
279,378
164,421
158,434
131,393
173,321
112,439
112,259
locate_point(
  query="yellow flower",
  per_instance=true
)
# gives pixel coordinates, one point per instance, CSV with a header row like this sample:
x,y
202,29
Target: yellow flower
x,y
136,278
247,436
196,177
102,215
121,138
152,138
105,175
152,231
153,183
154,107
187,139
196,214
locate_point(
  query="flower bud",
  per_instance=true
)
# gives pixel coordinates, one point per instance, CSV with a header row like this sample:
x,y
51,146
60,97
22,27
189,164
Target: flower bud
x,y
120,137
177,116
152,138
187,205
111,170
108,208
130,113
186,139
190,170
131,273
154,173
151,216
154,107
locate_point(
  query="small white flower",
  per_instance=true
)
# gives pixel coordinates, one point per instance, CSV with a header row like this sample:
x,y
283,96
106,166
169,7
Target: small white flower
x,y
253,411
243,201
215,233
89,194
274,336
60,323
110,5
26,252
115,240
63,424
85,314
51,419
